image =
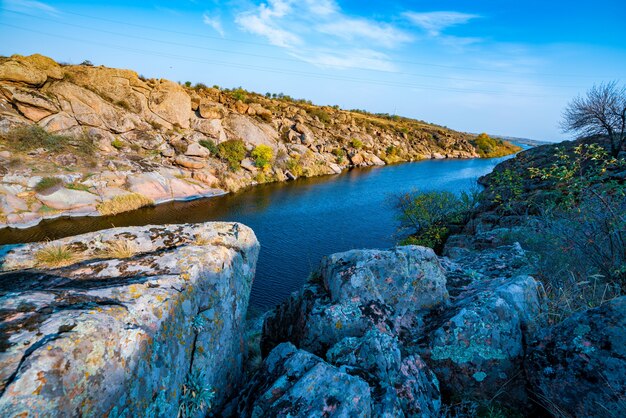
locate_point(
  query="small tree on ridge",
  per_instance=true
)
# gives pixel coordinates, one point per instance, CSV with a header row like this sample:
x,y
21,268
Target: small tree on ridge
x,y
601,112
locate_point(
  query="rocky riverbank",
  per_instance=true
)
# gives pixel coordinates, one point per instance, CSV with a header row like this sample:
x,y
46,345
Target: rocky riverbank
x,y
78,140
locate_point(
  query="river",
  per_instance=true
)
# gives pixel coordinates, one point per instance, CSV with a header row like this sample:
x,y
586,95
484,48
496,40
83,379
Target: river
x,y
297,222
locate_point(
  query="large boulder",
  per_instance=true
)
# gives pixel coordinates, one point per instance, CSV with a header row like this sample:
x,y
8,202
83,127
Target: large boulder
x,y
125,337
33,69
355,291
65,199
169,101
295,383
578,367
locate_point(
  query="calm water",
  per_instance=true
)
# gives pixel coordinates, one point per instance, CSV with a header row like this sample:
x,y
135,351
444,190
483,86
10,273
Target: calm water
x,y
297,222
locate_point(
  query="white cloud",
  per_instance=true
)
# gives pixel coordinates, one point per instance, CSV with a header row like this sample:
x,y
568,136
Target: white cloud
x,y
213,22
322,7
358,58
378,33
31,5
263,22
435,22
320,33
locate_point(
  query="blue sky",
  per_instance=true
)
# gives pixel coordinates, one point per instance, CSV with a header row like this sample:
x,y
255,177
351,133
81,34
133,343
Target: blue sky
x,y
504,67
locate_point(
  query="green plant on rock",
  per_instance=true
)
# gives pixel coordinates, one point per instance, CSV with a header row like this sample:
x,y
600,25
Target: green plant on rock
x,y
294,165
196,397
232,151
321,114
356,143
117,144
55,255
47,183
210,145
32,137
262,156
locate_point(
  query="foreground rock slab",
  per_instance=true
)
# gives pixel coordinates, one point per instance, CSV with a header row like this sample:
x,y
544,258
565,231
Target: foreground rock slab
x,y
108,336
578,367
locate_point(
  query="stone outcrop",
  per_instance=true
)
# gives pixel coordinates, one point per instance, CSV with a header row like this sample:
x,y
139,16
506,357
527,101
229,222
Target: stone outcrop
x,y
296,383
578,367
387,317
358,290
120,123
124,336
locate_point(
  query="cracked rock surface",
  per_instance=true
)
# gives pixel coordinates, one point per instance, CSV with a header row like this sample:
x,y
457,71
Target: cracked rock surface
x,y
119,336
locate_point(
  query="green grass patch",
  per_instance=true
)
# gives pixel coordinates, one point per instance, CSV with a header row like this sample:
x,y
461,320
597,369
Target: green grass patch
x,y
47,183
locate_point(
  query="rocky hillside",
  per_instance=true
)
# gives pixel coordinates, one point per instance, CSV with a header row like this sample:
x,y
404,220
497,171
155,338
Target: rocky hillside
x,y
84,140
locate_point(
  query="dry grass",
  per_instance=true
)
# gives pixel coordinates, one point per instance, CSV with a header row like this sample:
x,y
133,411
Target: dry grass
x,y
55,255
200,240
124,203
119,249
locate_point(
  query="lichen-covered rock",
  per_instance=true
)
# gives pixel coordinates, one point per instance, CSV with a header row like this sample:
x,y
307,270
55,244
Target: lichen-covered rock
x,y
477,351
295,383
400,387
578,367
355,291
121,337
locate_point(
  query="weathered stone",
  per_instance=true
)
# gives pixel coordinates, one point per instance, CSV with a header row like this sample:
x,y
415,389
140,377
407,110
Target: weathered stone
x,y
189,162
170,101
196,150
355,291
578,367
152,185
478,349
65,199
209,110
34,69
122,337
295,383
399,387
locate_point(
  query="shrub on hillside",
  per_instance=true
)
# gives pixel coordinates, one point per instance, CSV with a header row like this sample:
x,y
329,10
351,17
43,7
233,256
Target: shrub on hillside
x,y
32,137
210,145
488,147
322,115
356,143
232,151
262,156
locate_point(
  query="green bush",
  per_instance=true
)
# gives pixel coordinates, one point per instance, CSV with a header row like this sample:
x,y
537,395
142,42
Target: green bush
x,y
232,151
210,145
432,216
322,115
117,144
488,147
356,143
239,94
262,156
47,183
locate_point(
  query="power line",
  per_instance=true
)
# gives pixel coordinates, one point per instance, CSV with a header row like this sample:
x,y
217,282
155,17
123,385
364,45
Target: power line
x,y
282,58
196,35
279,71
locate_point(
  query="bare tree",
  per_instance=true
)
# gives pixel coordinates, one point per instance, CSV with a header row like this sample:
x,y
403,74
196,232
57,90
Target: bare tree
x,y
601,112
